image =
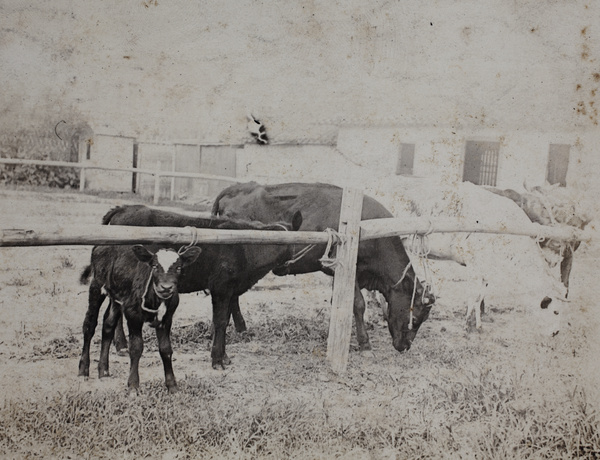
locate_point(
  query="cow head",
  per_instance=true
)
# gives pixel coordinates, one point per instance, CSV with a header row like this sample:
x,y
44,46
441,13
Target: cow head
x,y
547,317
402,322
166,266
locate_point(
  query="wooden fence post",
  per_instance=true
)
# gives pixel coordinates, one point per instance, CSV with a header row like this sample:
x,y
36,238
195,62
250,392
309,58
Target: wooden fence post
x,y
340,324
82,179
157,183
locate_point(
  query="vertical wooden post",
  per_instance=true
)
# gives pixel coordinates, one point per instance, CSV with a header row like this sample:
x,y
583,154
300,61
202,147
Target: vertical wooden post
x,y
157,183
340,324
173,159
82,179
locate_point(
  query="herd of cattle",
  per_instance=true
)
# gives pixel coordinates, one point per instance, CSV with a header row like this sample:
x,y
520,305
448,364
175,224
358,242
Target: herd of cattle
x,y
143,283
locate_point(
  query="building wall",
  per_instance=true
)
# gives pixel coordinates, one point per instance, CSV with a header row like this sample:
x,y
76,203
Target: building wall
x,y
440,153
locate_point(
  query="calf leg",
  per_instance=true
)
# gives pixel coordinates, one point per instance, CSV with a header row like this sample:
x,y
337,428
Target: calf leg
x,y
163,335
238,319
359,314
136,348
111,317
221,314
95,300
120,341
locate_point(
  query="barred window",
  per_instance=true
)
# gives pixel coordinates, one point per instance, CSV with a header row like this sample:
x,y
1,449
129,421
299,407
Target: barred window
x,y
481,162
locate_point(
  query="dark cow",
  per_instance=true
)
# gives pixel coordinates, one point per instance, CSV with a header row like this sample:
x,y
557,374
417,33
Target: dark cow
x,y
226,270
542,209
382,265
143,286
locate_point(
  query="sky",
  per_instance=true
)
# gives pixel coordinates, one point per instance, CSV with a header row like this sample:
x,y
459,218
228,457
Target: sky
x,y
193,70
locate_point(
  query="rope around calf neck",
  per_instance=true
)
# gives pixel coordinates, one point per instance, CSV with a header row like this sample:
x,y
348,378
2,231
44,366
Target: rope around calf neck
x,y
162,308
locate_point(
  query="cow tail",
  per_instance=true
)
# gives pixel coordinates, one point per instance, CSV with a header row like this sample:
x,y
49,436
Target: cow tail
x,y
215,207
85,275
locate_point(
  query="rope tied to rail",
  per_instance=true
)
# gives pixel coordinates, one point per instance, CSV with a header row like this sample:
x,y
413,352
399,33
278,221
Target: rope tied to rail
x,y
333,237
194,232
418,246
299,255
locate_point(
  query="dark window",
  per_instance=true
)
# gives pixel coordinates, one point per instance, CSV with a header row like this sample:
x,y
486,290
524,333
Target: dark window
x,y
481,162
88,150
558,164
406,159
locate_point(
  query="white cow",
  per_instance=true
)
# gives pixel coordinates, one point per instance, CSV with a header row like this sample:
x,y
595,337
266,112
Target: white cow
x,y
508,269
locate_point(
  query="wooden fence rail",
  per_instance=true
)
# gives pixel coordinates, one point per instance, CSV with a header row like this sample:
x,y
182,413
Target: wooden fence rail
x,y
83,166
370,229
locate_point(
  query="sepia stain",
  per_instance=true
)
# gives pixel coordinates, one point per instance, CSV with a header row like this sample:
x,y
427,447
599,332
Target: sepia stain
x,y
150,3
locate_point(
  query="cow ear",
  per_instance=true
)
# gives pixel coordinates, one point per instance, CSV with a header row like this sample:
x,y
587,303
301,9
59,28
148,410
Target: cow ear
x,y
190,255
142,253
297,220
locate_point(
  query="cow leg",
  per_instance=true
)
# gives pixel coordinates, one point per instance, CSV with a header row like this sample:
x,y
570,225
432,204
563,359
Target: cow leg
x,y
111,317
477,305
163,335
238,319
221,315
359,319
120,340
565,267
95,300
136,347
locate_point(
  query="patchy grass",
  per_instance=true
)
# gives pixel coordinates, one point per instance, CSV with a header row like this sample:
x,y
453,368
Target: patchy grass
x,y
477,418
497,394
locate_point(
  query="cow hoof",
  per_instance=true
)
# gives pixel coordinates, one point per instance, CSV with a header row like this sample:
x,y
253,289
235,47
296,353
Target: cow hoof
x,y
364,346
218,366
226,361
173,389
133,393
123,352
103,374
368,354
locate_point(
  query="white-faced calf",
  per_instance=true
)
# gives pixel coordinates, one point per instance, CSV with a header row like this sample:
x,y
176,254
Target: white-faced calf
x,y
143,286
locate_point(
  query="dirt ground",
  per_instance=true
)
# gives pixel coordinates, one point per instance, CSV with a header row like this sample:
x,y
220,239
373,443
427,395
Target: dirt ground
x,y
42,307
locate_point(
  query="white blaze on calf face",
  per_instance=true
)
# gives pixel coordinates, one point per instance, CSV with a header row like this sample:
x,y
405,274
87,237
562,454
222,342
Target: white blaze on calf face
x,y
166,259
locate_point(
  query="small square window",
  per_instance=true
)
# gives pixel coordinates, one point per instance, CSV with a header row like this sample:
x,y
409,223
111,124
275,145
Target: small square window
x,y
406,159
558,164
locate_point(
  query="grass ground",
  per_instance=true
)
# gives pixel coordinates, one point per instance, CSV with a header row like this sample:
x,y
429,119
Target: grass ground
x,y
503,393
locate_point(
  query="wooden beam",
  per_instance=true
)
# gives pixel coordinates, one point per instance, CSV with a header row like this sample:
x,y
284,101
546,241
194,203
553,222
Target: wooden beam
x,y
378,228
114,234
340,324
89,235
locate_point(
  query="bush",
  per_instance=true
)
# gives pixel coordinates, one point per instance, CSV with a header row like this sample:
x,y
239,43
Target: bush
x,y
50,176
